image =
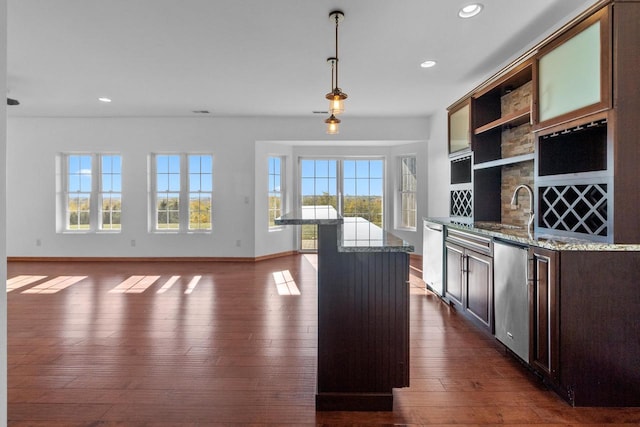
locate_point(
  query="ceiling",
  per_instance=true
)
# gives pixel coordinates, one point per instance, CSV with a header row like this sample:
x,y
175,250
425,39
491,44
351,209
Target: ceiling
x,y
259,57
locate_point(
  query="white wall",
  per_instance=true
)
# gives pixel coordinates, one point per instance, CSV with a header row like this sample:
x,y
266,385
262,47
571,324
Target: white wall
x,y
238,149
3,224
438,167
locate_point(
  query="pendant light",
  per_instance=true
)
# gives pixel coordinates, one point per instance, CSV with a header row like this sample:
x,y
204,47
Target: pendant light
x,y
332,125
336,97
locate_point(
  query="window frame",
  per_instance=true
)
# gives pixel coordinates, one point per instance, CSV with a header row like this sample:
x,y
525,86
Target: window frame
x,y
183,194
340,184
280,193
95,194
402,192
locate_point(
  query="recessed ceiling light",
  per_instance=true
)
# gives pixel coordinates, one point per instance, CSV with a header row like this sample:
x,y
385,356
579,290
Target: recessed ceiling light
x,y
470,10
103,99
428,64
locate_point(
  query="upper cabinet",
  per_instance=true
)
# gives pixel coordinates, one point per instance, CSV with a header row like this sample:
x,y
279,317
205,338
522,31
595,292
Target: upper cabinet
x,y
573,73
459,121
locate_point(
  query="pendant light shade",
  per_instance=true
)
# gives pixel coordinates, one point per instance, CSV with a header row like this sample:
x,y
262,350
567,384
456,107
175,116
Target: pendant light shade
x,y
332,125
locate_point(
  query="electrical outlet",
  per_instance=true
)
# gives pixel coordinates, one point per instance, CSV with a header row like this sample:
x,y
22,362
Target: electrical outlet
x,y
38,242
133,242
238,242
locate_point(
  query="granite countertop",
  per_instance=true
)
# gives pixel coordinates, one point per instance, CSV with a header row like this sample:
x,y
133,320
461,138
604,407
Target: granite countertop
x,y
354,234
520,235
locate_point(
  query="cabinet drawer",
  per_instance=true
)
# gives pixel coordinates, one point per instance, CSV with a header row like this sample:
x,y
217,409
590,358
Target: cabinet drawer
x,y
472,241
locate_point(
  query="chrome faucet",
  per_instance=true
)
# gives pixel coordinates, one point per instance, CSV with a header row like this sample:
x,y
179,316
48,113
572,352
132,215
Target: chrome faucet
x,y
514,202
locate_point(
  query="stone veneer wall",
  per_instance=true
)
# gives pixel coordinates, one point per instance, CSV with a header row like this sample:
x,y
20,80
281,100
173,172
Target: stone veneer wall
x,y
512,176
516,141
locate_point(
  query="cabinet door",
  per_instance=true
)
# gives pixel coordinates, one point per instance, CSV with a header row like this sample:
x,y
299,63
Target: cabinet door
x,y
479,288
573,72
455,268
544,346
459,128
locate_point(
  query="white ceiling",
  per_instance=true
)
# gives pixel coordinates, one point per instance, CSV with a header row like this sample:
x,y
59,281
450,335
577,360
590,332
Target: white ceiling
x,y
259,57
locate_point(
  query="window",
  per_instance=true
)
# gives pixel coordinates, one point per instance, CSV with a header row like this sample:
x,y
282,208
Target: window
x,y
200,188
276,167
362,188
110,192
318,198
183,192
93,192
408,194
352,188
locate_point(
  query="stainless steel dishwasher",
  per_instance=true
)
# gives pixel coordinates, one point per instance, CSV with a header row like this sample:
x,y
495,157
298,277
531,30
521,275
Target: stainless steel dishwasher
x,y
432,248
511,297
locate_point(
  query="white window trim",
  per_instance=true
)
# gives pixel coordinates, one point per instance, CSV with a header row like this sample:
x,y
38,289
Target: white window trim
x,y
282,190
95,217
401,192
183,207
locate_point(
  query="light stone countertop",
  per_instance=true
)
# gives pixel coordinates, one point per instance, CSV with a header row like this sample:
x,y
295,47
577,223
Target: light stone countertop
x,y
354,234
520,235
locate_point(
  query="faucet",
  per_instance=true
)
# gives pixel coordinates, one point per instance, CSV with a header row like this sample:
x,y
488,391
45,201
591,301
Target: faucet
x,y
514,202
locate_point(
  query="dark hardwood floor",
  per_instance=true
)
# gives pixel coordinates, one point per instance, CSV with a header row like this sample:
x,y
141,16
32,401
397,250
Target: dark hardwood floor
x,y
219,344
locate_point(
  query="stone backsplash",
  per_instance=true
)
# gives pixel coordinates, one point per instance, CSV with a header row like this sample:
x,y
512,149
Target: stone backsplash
x,y
512,176
517,99
515,142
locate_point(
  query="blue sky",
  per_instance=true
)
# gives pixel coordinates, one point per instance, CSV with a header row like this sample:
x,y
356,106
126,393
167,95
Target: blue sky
x,y
361,177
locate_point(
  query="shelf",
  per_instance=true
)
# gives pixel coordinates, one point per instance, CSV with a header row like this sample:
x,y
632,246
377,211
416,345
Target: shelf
x,y
516,118
504,162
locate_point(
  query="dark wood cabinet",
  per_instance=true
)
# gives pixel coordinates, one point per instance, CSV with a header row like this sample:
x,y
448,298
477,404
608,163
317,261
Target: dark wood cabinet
x,y
544,345
363,326
584,324
454,262
469,275
479,290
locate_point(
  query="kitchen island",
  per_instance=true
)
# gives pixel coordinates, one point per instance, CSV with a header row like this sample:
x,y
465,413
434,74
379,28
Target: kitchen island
x,y
583,306
363,312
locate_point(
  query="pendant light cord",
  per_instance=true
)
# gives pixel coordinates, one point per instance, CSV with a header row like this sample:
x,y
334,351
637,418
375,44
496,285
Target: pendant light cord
x,y
337,17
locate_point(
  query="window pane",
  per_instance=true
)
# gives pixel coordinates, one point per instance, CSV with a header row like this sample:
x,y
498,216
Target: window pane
x,y
349,169
174,164
78,212
200,187
111,212
408,205
174,182
116,182
194,182
362,168
162,164
322,168
168,211
111,186
275,190
199,212
74,183
78,192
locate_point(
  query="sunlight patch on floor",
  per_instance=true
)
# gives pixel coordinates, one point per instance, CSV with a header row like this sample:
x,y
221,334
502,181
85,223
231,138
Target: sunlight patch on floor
x,y
312,259
134,285
168,284
285,283
192,284
21,281
54,285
